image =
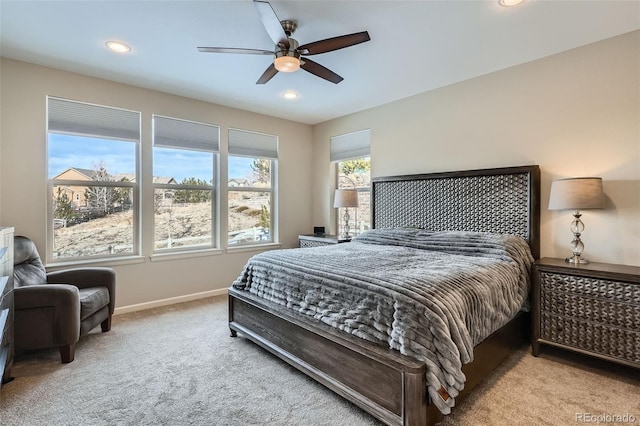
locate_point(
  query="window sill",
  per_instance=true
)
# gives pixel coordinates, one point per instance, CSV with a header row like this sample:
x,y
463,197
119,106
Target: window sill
x,y
113,261
175,255
254,247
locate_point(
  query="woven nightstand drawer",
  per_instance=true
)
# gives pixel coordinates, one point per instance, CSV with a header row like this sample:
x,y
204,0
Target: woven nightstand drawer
x,y
592,287
594,337
309,243
617,314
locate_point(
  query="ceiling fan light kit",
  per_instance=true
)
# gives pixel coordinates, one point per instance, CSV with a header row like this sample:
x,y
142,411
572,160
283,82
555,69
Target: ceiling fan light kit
x,y
287,63
287,51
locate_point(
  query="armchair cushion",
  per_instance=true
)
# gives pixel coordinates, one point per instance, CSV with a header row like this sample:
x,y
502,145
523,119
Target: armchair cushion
x,y
92,299
86,278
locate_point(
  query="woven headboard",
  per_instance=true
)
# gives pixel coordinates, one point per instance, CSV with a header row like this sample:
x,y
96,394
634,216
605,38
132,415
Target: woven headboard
x,y
504,200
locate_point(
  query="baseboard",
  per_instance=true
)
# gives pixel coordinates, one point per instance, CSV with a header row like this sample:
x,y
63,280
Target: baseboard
x,y
169,301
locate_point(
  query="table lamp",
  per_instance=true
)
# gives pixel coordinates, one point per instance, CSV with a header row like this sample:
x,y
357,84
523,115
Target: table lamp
x,y
576,194
346,198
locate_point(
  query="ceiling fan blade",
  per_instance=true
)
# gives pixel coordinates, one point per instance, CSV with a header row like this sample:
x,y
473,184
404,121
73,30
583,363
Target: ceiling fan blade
x,y
271,23
316,69
234,50
267,74
334,43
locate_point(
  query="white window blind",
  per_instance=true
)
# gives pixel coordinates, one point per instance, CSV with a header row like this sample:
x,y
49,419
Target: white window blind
x,y
176,133
82,119
351,145
251,144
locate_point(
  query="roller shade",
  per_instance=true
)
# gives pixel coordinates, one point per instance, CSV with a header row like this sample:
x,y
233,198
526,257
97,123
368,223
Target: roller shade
x,y
176,133
82,119
251,144
351,145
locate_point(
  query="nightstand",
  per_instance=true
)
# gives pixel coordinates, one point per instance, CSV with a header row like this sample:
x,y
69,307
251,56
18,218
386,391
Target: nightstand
x,y
593,309
313,240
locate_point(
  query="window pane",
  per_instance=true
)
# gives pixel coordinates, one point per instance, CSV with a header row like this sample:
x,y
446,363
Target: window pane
x,y
356,174
172,165
92,221
183,218
85,158
247,171
249,217
364,212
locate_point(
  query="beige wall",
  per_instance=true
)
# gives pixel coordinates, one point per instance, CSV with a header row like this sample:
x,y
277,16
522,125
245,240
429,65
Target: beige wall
x,y
23,179
575,114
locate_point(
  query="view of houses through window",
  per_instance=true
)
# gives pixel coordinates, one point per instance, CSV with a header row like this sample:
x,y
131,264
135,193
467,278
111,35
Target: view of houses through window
x,y
93,208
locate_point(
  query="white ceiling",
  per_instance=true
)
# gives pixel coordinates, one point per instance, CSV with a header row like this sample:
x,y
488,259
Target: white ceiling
x,y
415,46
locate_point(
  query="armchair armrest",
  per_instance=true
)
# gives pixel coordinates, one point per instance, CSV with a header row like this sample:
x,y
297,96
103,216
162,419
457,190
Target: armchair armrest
x,y
87,277
64,299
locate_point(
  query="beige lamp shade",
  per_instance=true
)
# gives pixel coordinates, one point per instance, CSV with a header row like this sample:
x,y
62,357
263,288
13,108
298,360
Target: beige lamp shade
x,y
576,194
345,198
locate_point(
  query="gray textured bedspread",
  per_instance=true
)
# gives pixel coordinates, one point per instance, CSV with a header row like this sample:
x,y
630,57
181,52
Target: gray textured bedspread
x,y
430,295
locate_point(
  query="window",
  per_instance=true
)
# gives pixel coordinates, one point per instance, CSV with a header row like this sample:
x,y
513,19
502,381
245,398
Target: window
x,y
185,158
252,179
350,153
92,168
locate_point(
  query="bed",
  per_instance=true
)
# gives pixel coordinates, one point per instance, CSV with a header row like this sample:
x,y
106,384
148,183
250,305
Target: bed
x,y
395,388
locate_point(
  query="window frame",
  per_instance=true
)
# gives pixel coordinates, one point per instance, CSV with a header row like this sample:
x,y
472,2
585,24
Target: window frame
x,y
213,187
347,147
255,145
50,260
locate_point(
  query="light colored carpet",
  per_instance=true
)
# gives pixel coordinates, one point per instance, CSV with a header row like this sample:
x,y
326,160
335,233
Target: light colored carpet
x,y
177,365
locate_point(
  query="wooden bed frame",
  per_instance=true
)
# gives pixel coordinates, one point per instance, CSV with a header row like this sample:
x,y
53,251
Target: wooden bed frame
x,y
383,382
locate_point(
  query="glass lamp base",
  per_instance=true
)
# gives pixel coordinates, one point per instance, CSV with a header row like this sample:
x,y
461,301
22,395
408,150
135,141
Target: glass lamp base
x,y
576,260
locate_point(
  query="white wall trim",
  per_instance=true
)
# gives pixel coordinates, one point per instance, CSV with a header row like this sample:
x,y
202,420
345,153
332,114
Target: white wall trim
x,y
169,301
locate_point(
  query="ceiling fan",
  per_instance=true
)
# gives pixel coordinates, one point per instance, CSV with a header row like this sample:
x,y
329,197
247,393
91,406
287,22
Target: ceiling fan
x,y
288,53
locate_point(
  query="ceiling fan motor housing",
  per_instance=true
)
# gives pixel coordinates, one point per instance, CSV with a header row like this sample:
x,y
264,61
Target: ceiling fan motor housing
x,y
291,51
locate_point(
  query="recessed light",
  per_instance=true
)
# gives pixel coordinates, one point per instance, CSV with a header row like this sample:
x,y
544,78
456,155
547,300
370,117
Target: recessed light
x,y
290,94
118,46
508,3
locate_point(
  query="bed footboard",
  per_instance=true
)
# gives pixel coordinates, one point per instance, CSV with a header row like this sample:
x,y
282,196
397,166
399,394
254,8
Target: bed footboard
x,y
384,383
